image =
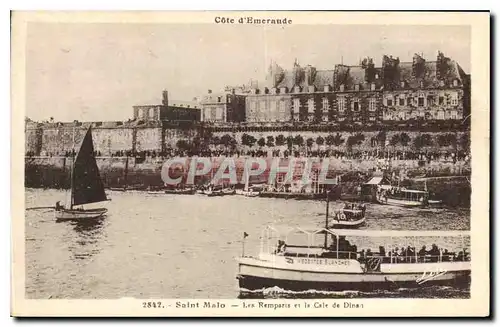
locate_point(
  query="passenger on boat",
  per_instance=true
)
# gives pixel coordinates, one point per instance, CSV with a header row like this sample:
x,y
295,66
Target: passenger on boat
x,y
422,253
281,248
59,206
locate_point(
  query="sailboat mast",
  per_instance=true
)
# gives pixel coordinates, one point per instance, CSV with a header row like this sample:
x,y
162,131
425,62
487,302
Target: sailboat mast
x,y
72,167
326,217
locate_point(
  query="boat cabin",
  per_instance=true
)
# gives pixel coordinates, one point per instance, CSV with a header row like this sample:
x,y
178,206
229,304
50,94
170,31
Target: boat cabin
x,y
392,247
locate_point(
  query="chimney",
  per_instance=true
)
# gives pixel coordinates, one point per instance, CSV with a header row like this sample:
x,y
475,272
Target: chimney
x,y
418,66
209,91
165,98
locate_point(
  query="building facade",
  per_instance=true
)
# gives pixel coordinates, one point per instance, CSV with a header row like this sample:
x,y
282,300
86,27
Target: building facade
x,y
224,107
174,111
363,94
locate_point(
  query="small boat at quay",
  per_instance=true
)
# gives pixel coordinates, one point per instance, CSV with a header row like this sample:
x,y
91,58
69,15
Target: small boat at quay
x,y
341,266
352,215
86,185
401,196
183,191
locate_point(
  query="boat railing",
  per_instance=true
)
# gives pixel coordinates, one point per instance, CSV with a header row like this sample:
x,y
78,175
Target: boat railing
x,y
392,259
451,257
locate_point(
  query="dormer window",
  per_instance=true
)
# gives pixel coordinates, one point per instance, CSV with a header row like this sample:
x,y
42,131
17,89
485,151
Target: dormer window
x,y
296,89
356,87
326,88
273,90
266,90
441,83
455,82
283,90
376,76
402,84
421,83
342,87
372,86
219,99
311,88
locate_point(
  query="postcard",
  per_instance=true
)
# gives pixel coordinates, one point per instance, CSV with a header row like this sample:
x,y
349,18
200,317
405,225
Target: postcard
x,y
233,164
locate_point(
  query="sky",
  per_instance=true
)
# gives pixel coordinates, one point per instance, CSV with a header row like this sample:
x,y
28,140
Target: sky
x,y
98,71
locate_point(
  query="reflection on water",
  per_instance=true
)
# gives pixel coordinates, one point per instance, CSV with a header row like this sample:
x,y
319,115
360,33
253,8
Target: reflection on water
x,y
178,246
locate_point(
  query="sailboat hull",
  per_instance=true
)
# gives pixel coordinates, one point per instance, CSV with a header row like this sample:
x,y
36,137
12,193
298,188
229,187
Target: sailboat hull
x,y
75,214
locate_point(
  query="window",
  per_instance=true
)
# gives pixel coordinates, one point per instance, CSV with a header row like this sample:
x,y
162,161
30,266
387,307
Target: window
x,y
372,87
440,114
420,101
326,105
455,82
355,105
372,104
356,87
273,106
282,106
219,99
341,118
219,114
341,104
376,76
403,84
140,113
342,88
453,114
151,113
389,102
262,106
326,88
401,101
372,118
296,106
402,115
296,89
310,105
253,106
454,99
441,100
213,114
324,118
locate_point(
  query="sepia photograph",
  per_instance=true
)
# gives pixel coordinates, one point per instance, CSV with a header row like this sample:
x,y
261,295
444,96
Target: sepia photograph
x,y
252,157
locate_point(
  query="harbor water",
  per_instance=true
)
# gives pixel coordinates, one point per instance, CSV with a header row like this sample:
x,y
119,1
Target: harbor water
x,y
185,246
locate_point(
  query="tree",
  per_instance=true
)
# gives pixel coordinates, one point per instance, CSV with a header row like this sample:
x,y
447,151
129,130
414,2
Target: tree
x,y
465,142
404,139
215,140
298,140
261,142
280,140
381,137
395,140
248,140
183,145
338,140
309,142
422,141
227,140
320,141
355,139
270,141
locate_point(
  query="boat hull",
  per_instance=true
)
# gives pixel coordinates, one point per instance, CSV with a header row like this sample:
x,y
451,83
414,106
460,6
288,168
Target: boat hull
x,y
66,214
337,224
401,203
382,282
344,274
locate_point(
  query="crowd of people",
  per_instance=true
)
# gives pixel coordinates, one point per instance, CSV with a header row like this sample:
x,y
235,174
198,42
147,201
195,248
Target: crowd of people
x,y
359,155
343,249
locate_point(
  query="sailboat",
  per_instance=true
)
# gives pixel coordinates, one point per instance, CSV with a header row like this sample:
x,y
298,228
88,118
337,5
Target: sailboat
x,y
86,185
